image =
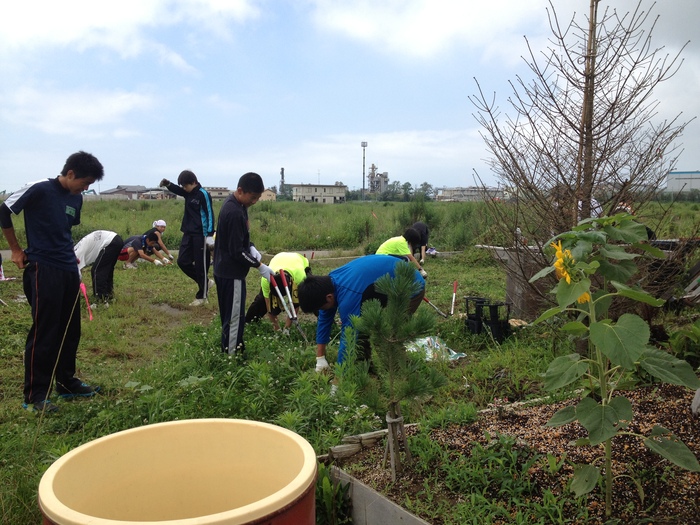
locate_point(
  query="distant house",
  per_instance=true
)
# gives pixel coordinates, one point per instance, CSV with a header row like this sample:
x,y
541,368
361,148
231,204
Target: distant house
x,y
218,193
136,192
268,195
323,193
682,181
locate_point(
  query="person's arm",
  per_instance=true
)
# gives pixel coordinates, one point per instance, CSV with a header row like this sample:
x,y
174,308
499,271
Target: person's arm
x,y
162,245
177,190
413,260
8,231
143,255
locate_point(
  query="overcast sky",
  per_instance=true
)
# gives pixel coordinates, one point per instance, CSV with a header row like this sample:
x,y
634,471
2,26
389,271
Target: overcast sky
x,y
222,87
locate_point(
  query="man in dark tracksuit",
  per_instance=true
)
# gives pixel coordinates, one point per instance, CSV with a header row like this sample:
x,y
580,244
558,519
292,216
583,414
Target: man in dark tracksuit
x,y
51,278
234,255
197,225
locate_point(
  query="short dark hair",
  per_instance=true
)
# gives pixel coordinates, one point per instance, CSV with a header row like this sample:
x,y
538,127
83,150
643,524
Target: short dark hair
x,y
186,177
251,183
153,237
84,165
312,292
412,236
288,278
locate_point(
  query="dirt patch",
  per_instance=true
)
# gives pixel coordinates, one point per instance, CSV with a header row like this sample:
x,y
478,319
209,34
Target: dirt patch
x,y
671,495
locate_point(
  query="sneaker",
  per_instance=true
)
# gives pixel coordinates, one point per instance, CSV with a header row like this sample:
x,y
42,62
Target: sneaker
x,y
79,390
198,302
41,406
129,266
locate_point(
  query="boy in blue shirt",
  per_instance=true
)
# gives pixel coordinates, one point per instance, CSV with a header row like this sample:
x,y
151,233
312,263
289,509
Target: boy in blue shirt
x,y
343,291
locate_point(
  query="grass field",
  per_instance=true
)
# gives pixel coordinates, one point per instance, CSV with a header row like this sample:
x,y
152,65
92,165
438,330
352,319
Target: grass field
x,y
158,359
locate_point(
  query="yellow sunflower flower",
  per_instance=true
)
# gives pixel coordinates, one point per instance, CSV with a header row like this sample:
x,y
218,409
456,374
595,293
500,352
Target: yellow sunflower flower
x,y
584,298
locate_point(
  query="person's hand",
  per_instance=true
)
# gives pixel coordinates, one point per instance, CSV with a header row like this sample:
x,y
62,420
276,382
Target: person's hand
x,y
166,261
157,262
255,253
423,273
285,331
164,183
265,271
171,256
421,262
209,241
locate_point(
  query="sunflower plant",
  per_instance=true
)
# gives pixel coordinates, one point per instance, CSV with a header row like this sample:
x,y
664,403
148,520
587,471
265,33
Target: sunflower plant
x,y
594,264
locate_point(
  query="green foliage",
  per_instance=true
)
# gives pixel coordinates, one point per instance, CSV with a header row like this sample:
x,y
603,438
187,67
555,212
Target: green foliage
x,y
685,344
333,503
603,251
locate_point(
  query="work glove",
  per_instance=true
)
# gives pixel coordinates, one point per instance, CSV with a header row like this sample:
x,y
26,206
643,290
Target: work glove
x,y
166,261
157,262
209,241
423,273
265,271
165,183
421,262
255,253
322,364
171,256
285,331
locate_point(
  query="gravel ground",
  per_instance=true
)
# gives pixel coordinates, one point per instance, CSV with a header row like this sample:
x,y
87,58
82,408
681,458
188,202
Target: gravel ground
x,y
671,495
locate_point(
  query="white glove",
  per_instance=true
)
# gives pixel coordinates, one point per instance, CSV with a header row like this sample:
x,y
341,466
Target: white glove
x,y
421,262
265,271
209,241
321,364
171,256
255,253
166,261
285,331
423,273
157,262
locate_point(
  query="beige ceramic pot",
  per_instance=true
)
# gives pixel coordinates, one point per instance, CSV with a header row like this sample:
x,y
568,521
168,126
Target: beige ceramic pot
x,y
200,471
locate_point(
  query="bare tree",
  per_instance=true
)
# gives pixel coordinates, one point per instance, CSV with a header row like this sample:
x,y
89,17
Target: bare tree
x,y
586,127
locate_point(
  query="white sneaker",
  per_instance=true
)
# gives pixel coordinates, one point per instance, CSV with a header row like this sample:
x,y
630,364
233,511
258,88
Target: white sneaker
x,y
198,302
321,364
129,266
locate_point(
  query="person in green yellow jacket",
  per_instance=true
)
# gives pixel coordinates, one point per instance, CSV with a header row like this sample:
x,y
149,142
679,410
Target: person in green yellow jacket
x,y
403,246
296,268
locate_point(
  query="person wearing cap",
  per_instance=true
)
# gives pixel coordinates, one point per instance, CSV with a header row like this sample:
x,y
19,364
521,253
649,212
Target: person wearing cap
x,y
138,246
296,268
158,228
343,291
100,250
197,230
403,246
234,256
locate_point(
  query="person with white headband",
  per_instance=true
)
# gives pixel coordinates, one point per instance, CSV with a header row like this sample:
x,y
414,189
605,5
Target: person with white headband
x,y
159,228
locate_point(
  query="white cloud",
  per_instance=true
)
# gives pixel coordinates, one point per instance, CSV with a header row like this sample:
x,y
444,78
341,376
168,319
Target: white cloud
x,y
117,25
78,113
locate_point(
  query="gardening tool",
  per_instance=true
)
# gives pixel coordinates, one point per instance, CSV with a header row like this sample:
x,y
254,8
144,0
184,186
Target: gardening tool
x,y
454,295
273,283
295,319
84,290
436,308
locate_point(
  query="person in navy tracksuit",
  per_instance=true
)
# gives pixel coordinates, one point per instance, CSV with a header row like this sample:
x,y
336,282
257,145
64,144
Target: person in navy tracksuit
x,y
197,225
51,278
234,255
